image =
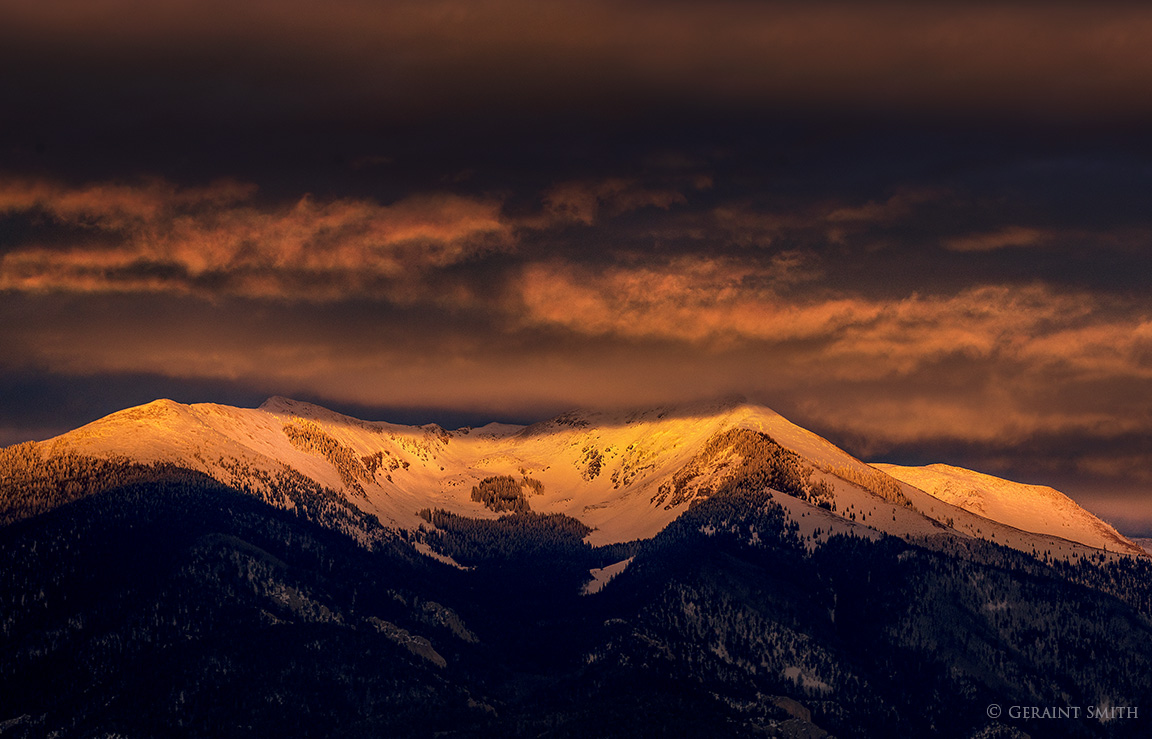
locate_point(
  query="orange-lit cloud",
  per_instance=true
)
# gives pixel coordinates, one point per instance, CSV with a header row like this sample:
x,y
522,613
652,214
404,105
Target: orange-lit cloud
x,y
987,416
1102,350
689,298
895,207
714,301
154,236
835,221
999,239
115,206
158,237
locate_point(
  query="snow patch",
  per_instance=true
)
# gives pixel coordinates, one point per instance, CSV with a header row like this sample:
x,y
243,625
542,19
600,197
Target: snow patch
x,y
602,575
428,551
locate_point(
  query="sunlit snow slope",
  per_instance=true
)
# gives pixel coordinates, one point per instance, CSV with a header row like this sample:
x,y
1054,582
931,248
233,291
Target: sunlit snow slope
x,y
1035,508
624,474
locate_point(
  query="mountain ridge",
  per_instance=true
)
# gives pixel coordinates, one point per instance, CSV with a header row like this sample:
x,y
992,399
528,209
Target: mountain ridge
x,y
603,468
1036,508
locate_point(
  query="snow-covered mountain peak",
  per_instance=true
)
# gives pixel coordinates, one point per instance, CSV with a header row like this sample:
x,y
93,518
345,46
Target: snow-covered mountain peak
x,y
282,406
163,417
495,429
625,474
577,418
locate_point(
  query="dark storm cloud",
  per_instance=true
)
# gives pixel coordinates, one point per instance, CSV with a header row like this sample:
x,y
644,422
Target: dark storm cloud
x,y
425,56
305,91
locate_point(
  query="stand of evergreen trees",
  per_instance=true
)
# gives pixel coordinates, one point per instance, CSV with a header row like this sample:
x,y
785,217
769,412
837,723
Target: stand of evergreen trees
x,y
506,493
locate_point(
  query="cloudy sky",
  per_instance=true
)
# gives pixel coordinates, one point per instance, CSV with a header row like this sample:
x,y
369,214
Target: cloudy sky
x,y
921,229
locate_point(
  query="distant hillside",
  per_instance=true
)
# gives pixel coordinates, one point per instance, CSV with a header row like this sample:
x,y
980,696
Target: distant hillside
x,y
1036,508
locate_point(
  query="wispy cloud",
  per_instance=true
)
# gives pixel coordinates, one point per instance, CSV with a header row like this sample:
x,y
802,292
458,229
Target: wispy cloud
x,y
717,301
1002,238
895,207
158,237
115,206
688,298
